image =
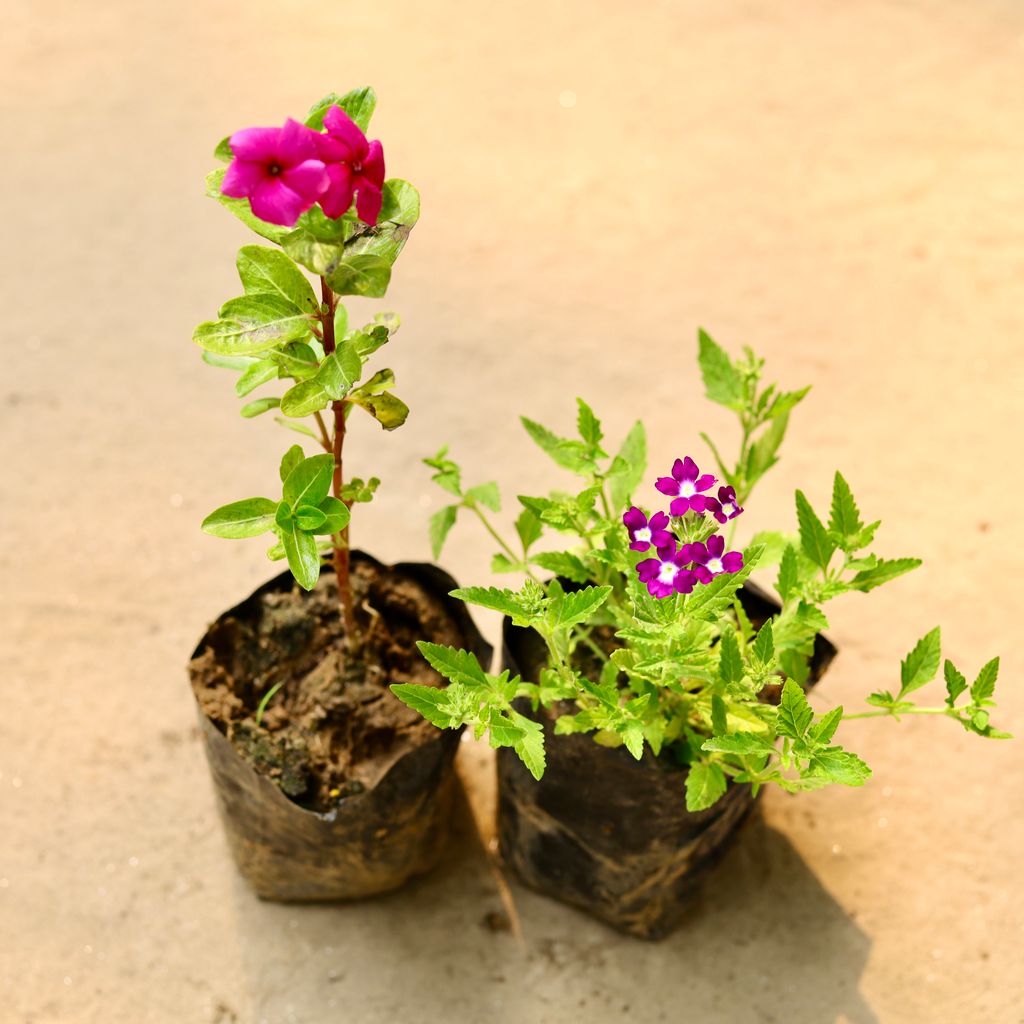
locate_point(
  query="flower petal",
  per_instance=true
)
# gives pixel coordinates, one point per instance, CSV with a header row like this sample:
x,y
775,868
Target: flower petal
x,y
341,127
257,144
373,163
658,521
308,179
634,519
368,202
276,203
662,538
667,485
732,561
680,506
296,144
684,581
647,568
688,469
242,178
698,502
716,545
337,198
706,481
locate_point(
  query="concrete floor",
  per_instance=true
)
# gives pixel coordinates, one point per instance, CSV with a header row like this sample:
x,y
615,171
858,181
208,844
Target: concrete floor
x,y
839,185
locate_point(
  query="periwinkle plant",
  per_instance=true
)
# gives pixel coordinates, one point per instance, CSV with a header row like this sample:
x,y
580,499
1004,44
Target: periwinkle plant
x,y
316,190
652,597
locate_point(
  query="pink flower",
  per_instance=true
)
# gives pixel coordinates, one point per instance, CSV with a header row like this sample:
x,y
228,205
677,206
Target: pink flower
x,y
685,485
667,574
278,170
354,167
712,559
644,533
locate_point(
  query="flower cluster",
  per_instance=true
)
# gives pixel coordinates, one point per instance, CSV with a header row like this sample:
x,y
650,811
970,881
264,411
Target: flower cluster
x,y
681,565
284,172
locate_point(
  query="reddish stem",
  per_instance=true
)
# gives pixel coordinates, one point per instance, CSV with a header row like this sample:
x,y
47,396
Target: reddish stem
x,y
339,541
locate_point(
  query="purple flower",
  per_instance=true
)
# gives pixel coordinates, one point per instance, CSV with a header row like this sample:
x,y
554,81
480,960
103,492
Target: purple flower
x,y
712,559
725,508
683,485
277,170
355,167
666,575
643,533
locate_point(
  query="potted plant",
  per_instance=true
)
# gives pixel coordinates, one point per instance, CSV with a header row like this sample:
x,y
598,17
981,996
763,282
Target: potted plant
x,y
649,690
328,786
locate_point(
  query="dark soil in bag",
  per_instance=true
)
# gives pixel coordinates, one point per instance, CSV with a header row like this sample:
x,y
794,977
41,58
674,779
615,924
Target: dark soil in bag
x,y
605,832
341,791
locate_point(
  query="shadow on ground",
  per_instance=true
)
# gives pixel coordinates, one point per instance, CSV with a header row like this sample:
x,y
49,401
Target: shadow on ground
x,y
764,943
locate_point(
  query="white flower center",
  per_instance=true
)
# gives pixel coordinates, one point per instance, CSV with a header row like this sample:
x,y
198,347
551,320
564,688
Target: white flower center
x,y
715,565
687,489
667,573
728,508
643,534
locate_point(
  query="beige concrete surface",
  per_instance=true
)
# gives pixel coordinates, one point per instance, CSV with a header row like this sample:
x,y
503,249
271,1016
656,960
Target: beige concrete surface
x,y
839,184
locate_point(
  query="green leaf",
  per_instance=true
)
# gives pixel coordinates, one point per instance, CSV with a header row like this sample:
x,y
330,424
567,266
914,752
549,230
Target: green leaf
x,y
487,495
337,373
920,665
628,467
705,784
506,601
260,405
309,482
362,274
531,747
845,518
359,104
252,323
400,210
795,714
255,374
719,716
722,379
529,528
814,538
824,729
730,662
562,563
570,609
955,682
457,666
223,151
839,766
427,700
588,425
298,428
886,569
317,241
632,733
264,270
387,409
762,454
764,646
441,523
301,551
572,455
229,362
241,209
336,515
359,490
309,518
290,460
789,573
247,518
743,744
985,685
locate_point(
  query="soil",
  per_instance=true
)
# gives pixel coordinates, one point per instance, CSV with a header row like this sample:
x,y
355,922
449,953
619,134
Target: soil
x,y
333,728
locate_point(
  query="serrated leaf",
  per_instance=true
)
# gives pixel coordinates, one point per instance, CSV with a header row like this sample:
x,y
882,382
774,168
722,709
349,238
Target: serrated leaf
x,y
572,455
742,744
956,684
920,666
628,467
795,714
588,425
839,766
564,564
427,700
531,747
814,538
722,380
887,569
309,482
985,685
705,784
719,716
454,664
824,729
568,610
441,523
504,601
264,270
632,733
730,661
247,518
487,495
845,518
762,454
789,573
529,528
764,645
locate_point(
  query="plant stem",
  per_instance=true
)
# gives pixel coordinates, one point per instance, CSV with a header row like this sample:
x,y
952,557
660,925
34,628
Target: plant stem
x,y
886,713
340,541
497,537
325,438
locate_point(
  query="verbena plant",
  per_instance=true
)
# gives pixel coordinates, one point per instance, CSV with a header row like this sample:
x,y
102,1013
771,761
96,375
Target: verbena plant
x,y
653,600
316,191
